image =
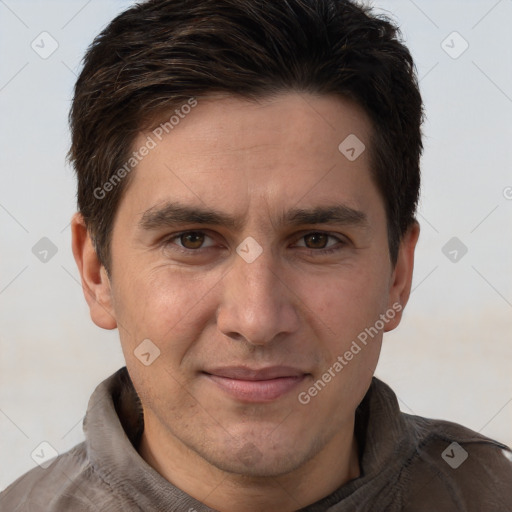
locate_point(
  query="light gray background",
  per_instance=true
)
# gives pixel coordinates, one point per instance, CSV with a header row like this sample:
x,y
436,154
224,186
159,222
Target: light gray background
x,y
450,358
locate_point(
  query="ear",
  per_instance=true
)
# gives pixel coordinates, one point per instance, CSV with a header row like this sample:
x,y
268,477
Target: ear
x,y
401,278
95,281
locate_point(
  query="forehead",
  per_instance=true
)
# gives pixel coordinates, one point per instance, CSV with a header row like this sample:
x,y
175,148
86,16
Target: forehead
x,y
284,149
231,123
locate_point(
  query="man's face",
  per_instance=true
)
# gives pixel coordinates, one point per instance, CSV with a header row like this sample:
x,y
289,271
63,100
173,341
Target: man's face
x,y
251,307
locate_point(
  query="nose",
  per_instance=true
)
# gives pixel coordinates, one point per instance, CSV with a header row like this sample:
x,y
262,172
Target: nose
x,y
258,305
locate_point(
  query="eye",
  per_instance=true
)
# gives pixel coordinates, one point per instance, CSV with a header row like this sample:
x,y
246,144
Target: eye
x,y
320,241
190,240
316,240
195,242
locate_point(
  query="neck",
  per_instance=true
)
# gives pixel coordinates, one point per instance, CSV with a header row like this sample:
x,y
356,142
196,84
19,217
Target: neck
x,y
333,466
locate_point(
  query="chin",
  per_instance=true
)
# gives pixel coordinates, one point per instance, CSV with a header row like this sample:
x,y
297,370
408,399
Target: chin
x,y
262,457
256,465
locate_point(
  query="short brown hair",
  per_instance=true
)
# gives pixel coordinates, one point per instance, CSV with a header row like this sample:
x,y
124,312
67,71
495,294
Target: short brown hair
x,y
159,54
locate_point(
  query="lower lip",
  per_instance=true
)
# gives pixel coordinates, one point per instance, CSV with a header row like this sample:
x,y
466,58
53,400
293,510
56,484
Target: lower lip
x,y
257,390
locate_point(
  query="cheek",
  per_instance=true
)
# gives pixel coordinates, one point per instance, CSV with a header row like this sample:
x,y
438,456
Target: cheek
x,y
346,310
171,311
348,301
166,306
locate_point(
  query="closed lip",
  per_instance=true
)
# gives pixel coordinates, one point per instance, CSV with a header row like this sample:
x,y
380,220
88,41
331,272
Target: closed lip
x,y
246,373
256,385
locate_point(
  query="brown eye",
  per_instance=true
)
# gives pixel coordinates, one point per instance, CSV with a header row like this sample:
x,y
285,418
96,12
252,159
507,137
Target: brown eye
x,y
192,240
320,243
316,240
189,242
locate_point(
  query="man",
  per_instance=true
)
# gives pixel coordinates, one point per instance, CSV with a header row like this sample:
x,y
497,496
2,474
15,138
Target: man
x,y
248,174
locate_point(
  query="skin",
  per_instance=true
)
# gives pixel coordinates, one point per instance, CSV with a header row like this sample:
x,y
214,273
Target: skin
x,y
292,305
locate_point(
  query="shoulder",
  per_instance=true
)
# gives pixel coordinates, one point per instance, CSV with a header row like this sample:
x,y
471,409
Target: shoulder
x,y
69,483
463,468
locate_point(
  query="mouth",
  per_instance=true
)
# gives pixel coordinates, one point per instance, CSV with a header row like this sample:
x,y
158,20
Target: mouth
x,y
256,385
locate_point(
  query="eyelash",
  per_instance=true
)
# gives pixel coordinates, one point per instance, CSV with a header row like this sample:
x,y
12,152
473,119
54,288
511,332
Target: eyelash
x,y
169,240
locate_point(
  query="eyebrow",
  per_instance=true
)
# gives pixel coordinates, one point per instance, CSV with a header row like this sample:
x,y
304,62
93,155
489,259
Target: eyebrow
x,y
171,214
